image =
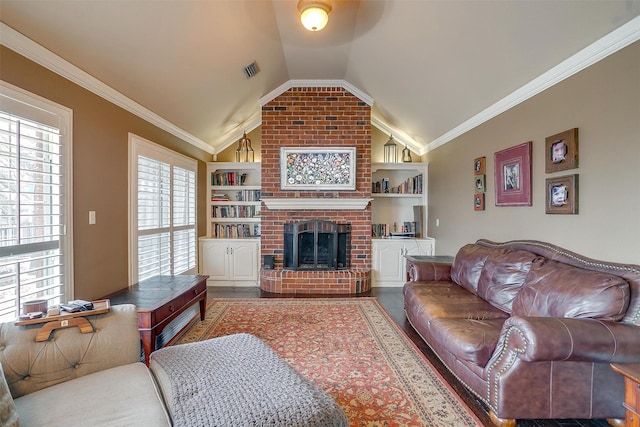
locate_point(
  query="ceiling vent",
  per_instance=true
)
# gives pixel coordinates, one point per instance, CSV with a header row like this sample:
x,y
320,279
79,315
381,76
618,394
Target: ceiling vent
x,y
251,69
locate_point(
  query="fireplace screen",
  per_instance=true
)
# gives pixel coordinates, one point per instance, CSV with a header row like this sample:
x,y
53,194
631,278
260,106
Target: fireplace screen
x,y
317,245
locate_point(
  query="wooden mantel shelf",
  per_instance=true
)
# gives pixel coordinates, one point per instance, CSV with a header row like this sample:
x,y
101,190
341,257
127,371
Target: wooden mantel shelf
x,y
337,203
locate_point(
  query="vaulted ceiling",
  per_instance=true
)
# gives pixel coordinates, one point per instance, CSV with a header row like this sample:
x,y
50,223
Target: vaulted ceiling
x,y
433,69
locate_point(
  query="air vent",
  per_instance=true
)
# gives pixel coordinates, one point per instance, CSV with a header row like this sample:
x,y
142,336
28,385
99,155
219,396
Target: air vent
x,y
251,69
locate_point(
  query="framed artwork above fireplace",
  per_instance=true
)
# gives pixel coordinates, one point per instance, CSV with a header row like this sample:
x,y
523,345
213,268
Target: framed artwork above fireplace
x,y
317,168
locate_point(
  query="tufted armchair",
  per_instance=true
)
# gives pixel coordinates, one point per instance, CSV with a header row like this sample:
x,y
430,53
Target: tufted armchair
x,y
81,379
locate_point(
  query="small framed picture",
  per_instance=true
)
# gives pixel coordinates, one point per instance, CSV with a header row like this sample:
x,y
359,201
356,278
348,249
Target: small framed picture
x,y
479,166
480,182
561,151
562,195
478,202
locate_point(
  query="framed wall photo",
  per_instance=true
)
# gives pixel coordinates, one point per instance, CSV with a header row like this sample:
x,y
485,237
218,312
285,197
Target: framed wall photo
x,y
512,174
479,166
318,168
562,195
478,202
480,182
561,151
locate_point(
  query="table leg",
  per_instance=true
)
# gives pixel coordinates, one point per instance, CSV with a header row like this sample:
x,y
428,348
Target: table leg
x,y
203,306
147,345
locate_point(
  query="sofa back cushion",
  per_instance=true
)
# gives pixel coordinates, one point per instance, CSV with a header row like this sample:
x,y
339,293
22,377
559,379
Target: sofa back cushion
x,y
554,289
504,273
468,264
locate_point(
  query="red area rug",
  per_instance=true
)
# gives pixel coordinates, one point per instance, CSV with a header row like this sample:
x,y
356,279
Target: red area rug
x,y
352,350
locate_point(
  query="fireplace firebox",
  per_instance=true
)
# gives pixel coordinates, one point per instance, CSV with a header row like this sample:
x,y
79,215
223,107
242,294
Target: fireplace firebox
x,y
317,245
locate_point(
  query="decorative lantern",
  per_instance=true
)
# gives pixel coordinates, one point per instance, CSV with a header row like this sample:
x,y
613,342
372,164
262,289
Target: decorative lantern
x,y
406,154
390,151
244,152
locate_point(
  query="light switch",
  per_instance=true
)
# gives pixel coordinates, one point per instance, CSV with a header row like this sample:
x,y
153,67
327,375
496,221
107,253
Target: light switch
x,y
92,217
438,222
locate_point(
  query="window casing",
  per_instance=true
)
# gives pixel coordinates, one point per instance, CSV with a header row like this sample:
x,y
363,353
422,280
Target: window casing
x,y
162,207
36,254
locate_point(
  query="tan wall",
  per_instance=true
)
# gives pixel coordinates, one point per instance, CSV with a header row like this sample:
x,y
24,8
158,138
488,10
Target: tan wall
x,y
603,101
100,169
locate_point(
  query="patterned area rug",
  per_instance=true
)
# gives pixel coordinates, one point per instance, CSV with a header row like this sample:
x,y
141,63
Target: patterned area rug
x,y
352,350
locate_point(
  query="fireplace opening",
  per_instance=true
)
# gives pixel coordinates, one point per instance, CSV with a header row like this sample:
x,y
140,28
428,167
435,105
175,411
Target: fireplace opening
x,y
317,245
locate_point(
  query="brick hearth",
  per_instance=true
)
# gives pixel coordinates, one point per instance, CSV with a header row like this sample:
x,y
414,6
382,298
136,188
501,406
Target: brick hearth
x,y
316,117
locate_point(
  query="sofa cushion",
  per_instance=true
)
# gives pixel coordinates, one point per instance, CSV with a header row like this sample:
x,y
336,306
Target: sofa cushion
x,y
122,396
468,264
439,300
554,289
503,275
473,340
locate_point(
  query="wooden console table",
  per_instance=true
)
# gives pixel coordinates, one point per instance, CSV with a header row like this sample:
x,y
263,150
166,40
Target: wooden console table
x,y
631,373
159,300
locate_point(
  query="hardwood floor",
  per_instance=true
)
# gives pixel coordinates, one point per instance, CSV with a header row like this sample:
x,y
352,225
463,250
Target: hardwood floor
x,y
391,300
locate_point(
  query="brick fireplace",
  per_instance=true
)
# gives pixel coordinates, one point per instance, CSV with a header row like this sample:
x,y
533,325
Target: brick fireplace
x,y
314,117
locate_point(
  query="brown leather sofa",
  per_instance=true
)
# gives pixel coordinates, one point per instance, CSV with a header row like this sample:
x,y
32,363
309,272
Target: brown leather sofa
x,y
530,328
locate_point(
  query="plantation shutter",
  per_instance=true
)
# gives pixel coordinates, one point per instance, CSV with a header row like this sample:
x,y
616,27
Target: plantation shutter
x,y
165,206
35,254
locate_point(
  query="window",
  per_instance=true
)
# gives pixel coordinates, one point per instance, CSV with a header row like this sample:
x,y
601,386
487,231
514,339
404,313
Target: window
x,y
36,259
162,211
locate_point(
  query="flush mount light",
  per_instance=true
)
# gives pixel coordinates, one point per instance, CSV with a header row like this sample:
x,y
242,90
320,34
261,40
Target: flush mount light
x,y
314,14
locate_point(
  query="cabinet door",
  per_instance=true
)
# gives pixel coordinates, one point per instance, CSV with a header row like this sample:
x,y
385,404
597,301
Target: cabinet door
x,y
388,262
419,247
244,260
214,259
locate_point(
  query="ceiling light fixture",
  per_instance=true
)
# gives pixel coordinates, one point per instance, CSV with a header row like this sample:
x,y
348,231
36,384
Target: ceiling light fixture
x,y
314,14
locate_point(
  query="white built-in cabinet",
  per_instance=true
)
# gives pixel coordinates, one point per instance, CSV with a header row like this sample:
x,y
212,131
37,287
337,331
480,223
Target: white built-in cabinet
x,y
407,188
230,253
389,265
230,262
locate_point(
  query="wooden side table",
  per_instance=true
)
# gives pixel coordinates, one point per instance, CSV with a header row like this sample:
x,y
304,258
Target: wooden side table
x,y
631,373
159,300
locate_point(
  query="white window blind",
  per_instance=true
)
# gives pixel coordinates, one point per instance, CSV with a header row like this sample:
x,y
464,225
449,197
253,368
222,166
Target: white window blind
x,y
164,211
35,249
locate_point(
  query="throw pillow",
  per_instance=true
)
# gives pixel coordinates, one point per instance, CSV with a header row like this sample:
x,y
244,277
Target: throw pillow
x,y
554,289
8,412
503,275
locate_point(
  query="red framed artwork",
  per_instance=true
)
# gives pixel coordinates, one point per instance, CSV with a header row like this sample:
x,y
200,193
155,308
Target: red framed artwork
x,y
512,173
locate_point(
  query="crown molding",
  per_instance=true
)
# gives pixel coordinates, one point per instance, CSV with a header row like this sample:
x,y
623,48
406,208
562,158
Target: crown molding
x,y
316,83
399,136
619,38
44,57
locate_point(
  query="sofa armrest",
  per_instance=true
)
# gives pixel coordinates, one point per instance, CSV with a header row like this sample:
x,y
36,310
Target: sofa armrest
x,y
558,339
428,270
68,354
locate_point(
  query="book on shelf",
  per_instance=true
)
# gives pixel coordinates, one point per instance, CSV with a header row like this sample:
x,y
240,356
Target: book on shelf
x,y
219,198
408,229
413,185
248,195
232,231
234,211
230,178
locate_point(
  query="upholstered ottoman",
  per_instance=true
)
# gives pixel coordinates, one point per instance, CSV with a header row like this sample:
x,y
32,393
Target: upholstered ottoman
x,y
238,380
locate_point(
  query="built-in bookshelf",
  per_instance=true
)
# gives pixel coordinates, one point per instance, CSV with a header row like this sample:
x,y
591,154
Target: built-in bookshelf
x,y
399,200
234,210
